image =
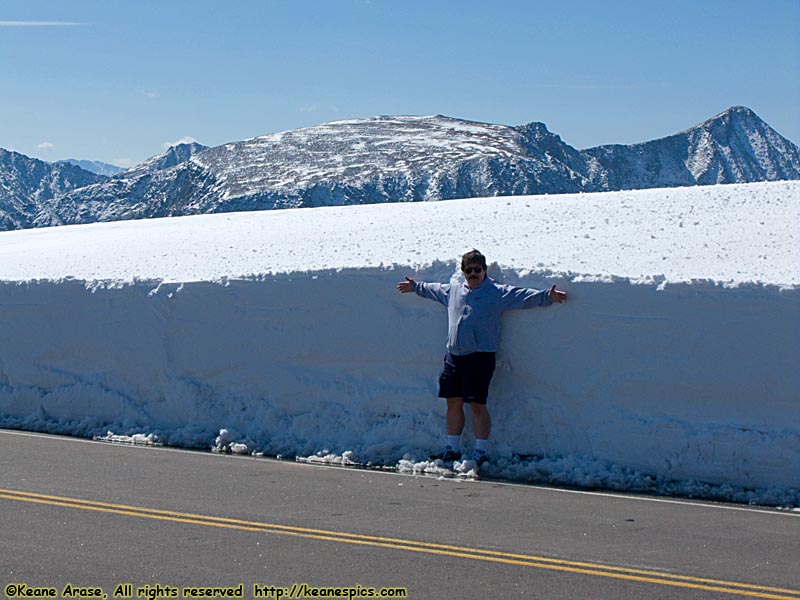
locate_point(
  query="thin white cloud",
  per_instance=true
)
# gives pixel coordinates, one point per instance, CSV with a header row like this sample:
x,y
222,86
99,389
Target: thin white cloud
x,y
585,86
184,140
149,93
45,146
39,24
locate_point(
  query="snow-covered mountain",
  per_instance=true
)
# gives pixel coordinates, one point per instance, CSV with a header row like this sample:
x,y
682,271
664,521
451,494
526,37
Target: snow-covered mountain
x,y
27,185
95,166
401,159
155,188
365,161
732,147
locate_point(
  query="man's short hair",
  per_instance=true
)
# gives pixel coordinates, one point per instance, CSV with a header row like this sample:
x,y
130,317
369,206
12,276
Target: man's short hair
x,y
473,257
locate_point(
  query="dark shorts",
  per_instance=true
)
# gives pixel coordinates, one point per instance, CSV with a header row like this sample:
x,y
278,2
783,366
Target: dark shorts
x,y
467,376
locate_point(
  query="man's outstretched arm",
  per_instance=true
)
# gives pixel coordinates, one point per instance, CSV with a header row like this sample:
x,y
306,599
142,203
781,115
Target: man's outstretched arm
x,y
432,291
519,297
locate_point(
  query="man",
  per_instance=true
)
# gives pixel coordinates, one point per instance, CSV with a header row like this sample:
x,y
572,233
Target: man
x,y
473,311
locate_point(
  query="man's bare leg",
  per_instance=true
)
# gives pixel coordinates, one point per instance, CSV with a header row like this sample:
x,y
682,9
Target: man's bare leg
x,y
481,421
454,418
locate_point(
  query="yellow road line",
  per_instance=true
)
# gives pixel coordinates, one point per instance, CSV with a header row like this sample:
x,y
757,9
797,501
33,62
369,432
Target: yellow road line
x,y
586,568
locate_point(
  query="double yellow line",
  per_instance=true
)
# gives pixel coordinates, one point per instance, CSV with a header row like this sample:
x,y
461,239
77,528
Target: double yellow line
x,y
524,560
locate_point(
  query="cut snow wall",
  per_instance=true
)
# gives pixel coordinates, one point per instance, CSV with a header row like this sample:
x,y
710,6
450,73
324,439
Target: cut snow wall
x,y
692,381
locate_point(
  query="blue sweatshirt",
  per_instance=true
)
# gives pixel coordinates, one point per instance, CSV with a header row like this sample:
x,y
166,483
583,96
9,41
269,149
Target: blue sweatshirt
x,y
474,314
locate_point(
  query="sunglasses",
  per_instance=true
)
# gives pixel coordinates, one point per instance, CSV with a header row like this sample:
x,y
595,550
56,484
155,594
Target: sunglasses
x,y
470,270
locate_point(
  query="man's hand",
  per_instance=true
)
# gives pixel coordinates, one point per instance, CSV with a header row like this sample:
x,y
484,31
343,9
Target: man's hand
x,y
407,286
555,295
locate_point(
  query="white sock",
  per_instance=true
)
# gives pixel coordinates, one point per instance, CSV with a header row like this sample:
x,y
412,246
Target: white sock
x,y
482,445
454,441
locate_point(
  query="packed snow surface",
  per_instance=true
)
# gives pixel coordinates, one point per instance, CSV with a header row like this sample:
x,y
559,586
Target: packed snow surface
x,y
745,233
672,368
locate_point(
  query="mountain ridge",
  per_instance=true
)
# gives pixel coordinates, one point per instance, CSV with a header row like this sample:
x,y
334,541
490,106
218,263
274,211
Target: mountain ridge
x,y
27,184
412,158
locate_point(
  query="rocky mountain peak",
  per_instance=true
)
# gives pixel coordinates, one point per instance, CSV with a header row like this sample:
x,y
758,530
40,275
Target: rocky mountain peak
x,y
172,156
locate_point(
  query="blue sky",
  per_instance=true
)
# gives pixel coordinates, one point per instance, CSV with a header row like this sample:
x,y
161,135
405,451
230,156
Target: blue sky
x,y
116,80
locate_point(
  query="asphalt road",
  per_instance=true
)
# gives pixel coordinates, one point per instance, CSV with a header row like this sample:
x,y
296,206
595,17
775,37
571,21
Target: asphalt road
x,y
100,515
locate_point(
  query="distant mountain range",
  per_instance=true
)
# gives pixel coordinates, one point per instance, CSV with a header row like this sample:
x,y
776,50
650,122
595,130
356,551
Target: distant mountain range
x,y
388,159
95,166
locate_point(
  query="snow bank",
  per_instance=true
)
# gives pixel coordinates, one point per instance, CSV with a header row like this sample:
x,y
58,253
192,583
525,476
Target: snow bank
x,y
673,367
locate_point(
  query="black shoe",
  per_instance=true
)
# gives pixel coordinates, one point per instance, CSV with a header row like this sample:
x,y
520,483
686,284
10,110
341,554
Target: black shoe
x,y
447,455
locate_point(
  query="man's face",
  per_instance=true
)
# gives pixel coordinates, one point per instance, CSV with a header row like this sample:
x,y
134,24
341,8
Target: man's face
x,y
474,274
